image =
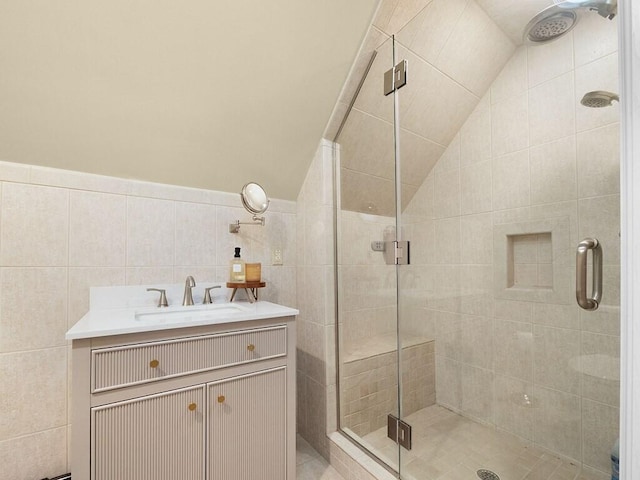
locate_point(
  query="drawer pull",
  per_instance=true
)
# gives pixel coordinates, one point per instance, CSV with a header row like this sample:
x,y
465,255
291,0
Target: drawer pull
x,y
221,398
251,347
192,406
154,363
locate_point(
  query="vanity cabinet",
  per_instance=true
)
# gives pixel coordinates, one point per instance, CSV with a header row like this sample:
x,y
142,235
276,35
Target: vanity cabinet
x,y
213,402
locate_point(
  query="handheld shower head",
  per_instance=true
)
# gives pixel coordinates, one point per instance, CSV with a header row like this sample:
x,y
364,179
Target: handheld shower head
x,y
599,99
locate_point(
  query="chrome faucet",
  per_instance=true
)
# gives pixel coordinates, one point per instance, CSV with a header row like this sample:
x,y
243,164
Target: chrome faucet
x,y
188,296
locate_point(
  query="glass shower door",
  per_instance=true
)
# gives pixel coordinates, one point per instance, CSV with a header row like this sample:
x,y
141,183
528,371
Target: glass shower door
x,y
504,172
367,283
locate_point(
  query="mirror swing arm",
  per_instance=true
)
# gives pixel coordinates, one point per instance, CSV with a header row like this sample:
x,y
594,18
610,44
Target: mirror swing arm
x,y
255,201
235,227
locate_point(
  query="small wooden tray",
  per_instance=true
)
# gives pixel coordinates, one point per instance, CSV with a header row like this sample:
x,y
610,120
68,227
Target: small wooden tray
x,y
250,288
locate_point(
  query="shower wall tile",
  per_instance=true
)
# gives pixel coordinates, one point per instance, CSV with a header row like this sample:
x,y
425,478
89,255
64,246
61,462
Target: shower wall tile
x,y
600,218
550,60
514,409
600,431
590,46
447,194
475,134
97,229
553,171
600,367
448,335
513,355
555,353
511,180
477,393
514,311
509,125
427,33
450,159
476,234
601,74
475,332
438,106
475,188
448,382
513,79
552,110
605,320
447,232
599,161
560,316
558,421
470,62
475,290
393,15
35,225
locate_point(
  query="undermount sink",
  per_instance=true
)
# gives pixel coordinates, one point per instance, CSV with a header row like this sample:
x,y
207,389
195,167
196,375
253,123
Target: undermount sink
x,y
191,313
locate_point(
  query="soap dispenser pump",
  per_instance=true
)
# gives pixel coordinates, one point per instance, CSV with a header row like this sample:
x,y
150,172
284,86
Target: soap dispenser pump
x,y
237,272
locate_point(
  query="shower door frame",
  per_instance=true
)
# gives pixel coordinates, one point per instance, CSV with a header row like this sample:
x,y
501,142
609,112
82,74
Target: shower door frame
x,y
629,28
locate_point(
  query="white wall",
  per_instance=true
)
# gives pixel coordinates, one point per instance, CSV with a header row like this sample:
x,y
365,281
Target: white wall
x,y
62,232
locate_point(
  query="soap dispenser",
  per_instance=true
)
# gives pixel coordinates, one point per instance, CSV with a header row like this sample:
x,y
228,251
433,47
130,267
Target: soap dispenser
x,y
237,270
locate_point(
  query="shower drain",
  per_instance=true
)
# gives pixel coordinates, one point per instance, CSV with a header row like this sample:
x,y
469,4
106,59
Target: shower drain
x,y
487,475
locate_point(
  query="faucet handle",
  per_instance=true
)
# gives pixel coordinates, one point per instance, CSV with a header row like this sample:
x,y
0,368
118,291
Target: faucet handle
x,y
162,302
207,294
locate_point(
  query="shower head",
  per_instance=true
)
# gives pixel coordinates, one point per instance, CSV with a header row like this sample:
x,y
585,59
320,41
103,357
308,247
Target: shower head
x,y
551,23
599,99
558,19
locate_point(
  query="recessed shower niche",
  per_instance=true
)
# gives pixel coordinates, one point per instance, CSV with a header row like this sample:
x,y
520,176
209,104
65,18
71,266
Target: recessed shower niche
x,y
527,263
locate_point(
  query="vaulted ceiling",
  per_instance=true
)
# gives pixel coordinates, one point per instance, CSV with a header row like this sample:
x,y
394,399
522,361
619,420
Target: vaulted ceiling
x,y
203,94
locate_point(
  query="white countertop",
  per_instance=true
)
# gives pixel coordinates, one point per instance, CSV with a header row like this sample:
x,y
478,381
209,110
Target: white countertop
x,y
118,321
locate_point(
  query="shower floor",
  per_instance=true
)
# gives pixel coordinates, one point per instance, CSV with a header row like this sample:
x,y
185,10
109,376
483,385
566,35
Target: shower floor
x,y
448,446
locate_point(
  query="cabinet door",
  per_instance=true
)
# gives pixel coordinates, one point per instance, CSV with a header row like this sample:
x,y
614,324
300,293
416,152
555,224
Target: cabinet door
x,y
157,437
247,427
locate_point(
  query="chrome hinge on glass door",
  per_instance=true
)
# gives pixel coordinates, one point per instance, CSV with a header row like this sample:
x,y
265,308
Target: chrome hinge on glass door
x,y
395,78
399,431
395,253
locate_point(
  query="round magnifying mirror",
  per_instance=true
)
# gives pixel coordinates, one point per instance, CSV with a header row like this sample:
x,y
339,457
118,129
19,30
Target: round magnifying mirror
x,y
254,198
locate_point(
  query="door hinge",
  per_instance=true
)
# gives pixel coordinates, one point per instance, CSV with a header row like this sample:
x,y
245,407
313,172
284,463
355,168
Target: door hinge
x,y
395,77
395,253
399,431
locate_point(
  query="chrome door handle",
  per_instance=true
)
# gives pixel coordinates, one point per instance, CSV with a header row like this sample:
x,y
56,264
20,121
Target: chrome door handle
x,y
589,303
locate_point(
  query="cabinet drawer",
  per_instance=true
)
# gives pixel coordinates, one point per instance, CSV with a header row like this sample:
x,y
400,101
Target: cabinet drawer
x,y
119,367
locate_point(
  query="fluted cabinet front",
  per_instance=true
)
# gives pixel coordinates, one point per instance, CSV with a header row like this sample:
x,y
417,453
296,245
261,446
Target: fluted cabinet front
x,y
247,427
156,437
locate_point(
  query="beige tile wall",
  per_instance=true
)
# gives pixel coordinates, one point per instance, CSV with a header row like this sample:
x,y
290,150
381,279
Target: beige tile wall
x,y
315,289
528,153
62,232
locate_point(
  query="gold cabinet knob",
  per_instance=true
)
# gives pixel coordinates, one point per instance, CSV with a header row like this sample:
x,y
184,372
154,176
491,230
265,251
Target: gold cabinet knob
x,y
221,398
251,347
192,406
154,363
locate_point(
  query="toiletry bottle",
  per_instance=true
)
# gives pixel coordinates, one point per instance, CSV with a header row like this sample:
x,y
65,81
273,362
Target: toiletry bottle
x,y
237,273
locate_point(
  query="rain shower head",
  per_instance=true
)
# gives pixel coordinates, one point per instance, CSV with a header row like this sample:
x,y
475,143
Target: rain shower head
x,y
599,99
555,21
551,23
